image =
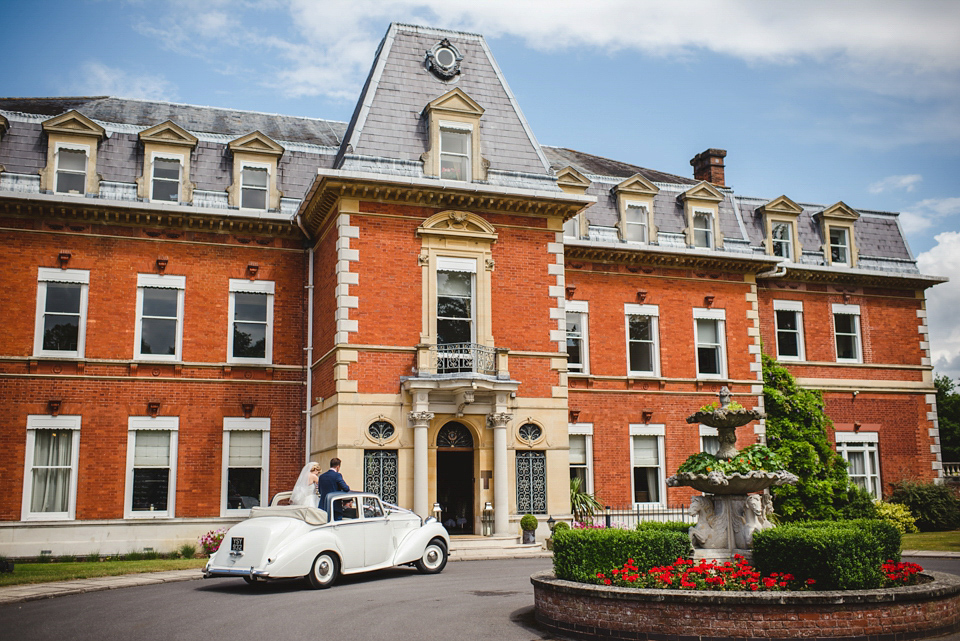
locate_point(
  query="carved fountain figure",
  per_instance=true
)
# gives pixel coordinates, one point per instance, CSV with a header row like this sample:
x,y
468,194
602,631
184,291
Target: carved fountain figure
x,y
729,512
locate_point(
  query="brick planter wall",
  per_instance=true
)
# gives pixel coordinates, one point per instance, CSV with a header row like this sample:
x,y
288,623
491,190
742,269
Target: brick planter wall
x,y
587,611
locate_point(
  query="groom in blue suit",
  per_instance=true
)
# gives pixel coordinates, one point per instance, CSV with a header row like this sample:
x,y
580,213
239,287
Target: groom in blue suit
x,y
332,481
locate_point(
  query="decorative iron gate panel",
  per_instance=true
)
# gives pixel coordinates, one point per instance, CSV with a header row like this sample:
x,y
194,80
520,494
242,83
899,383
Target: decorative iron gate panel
x,y
380,474
531,483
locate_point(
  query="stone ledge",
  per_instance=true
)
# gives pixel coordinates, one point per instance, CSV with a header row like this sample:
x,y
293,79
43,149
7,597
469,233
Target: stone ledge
x,y
595,612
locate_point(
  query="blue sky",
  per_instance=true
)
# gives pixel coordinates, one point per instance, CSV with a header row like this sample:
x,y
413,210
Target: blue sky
x,y
822,101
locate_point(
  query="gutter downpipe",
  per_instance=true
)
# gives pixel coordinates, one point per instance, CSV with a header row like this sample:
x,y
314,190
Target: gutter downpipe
x,y
309,348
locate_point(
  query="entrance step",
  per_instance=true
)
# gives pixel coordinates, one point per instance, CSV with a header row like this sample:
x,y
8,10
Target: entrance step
x,y
477,548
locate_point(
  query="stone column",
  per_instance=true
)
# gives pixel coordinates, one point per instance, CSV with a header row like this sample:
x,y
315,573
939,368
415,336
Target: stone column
x,y
501,500
420,422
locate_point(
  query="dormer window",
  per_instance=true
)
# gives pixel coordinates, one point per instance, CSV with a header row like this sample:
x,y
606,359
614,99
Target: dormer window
x,y
453,125
71,170
839,246
703,229
782,240
165,181
455,158
635,218
253,189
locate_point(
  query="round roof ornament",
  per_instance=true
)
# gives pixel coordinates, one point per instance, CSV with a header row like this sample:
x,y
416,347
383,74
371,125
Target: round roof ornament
x,y
443,59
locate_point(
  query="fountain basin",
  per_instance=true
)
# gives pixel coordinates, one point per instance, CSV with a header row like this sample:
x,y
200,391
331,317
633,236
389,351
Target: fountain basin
x,y
718,483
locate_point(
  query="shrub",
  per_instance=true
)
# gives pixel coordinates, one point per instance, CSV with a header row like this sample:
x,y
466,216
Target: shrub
x,y
560,525
898,515
665,526
528,523
578,555
860,504
210,542
188,551
835,557
886,534
935,507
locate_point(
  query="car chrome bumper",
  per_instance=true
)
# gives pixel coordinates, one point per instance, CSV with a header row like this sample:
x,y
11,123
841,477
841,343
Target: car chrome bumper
x,y
213,572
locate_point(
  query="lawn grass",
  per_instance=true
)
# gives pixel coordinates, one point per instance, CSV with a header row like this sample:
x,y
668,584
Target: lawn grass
x,y
57,571
934,541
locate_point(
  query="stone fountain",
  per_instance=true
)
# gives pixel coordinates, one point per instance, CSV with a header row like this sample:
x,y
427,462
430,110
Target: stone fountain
x,y
730,511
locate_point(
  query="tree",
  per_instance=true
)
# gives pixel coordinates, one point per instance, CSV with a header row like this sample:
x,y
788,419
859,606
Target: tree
x,y
948,416
797,433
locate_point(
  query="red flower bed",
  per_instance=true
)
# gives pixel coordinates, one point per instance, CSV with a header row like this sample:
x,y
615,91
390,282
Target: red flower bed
x,y
684,574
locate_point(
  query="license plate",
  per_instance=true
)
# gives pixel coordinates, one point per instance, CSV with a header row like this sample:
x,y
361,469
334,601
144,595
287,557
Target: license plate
x,y
236,544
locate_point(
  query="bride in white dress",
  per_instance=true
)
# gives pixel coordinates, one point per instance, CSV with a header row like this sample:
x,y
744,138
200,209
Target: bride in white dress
x,y
305,489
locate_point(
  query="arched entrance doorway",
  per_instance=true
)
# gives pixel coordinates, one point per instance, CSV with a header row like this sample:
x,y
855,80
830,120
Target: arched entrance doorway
x,y
455,477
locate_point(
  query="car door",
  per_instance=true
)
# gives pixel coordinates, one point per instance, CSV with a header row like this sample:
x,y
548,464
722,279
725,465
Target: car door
x,y
348,531
378,541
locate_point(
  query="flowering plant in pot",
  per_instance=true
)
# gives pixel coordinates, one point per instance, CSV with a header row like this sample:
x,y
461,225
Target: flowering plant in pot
x,y
529,523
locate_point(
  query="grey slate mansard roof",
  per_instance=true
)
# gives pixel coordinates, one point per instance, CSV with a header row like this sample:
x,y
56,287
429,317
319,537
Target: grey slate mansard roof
x,y
388,133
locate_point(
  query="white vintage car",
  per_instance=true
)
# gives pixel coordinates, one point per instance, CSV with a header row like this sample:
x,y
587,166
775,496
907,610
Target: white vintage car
x,y
279,542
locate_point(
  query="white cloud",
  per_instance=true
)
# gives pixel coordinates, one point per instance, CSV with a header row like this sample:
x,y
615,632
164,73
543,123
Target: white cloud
x,y
888,47
943,301
98,79
906,182
925,213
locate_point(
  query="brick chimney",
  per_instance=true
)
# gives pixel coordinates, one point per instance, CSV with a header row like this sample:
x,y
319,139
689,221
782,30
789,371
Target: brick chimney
x,y
708,165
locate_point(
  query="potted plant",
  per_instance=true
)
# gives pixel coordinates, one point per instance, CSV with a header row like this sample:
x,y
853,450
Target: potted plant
x,y
529,523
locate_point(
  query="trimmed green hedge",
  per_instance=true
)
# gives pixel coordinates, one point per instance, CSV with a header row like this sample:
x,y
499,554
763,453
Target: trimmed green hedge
x,y
665,526
837,555
885,532
579,554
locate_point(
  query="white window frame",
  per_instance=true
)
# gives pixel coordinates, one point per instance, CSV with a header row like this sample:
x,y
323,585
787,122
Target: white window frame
x,y
849,310
785,243
241,286
845,245
711,232
865,443
658,431
239,424
45,422
136,424
641,210
266,190
585,430
720,316
159,281
460,128
464,265
179,159
581,308
796,307
56,169
653,311
46,275
708,432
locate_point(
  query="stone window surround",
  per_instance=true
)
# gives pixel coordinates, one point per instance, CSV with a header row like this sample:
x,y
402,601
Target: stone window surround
x,y
582,308
796,306
585,430
849,310
136,424
718,315
653,311
47,422
55,275
839,215
168,141
658,431
165,281
782,210
258,151
244,286
702,198
237,424
636,191
845,443
71,130
454,109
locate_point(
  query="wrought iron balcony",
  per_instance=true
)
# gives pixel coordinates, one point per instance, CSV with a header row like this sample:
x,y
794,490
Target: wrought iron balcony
x,y
463,358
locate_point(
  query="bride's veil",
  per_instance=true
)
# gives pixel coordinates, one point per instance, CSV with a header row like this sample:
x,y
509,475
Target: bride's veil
x,y
302,493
